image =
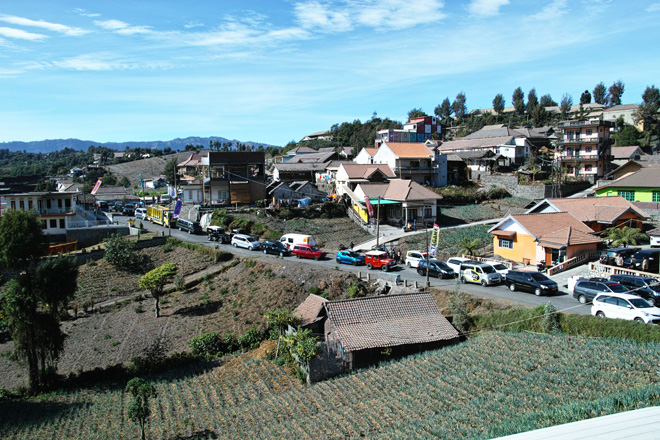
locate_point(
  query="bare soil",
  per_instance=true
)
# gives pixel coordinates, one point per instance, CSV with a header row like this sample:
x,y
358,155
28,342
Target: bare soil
x,y
231,302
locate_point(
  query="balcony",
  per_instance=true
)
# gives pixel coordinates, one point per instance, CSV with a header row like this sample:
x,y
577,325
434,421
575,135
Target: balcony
x,y
55,211
579,157
589,123
582,140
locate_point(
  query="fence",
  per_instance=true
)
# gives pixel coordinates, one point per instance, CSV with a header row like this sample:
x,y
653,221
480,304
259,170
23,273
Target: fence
x,y
616,270
63,248
572,262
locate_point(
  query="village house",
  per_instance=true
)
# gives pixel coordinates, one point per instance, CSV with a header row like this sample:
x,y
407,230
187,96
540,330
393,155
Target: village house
x,y
585,148
542,238
363,331
413,161
416,130
350,175
365,156
599,213
641,186
234,177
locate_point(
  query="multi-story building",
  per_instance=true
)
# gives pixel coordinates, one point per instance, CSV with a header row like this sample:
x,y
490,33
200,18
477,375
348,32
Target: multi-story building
x,y
56,210
413,161
585,148
416,130
234,177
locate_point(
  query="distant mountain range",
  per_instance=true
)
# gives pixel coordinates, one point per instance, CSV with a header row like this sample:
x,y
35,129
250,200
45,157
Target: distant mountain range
x,y
50,145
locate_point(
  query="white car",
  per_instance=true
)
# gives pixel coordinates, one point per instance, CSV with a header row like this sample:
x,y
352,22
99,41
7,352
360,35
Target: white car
x,y
245,241
414,257
141,213
625,306
500,268
455,263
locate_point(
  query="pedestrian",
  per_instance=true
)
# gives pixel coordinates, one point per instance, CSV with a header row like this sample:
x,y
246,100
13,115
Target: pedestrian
x,y
633,262
415,225
645,264
619,260
351,245
398,256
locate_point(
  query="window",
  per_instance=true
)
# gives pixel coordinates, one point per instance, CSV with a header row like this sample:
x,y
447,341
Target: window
x,y
67,203
587,149
587,168
22,204
427,212
628,195
589,131
504,243
62,224
53,223
13,204
656,196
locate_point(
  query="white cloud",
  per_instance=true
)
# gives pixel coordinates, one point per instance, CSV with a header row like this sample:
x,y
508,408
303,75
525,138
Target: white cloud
x,y
397,14
552,11
653,7
20,34
122,28
319,17
66,30
84,13
486,8
193,24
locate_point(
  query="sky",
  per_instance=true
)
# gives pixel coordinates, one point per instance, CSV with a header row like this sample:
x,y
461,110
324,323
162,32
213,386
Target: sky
x,y
273,71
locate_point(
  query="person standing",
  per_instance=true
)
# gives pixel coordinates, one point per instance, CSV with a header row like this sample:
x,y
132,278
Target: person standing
x,y
645,264
619,260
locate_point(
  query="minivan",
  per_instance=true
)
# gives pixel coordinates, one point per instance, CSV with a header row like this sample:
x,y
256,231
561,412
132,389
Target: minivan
x,y
190,226
636,260
534,282
479,273
646,287
290,240
245,241
141,213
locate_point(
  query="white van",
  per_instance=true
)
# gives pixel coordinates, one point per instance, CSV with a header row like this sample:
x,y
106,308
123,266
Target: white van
x,y
165,198
290,240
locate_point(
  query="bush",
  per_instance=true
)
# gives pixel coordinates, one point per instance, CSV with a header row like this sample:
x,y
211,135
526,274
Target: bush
x,y
208,344
119,251
252,338
550,322
458,308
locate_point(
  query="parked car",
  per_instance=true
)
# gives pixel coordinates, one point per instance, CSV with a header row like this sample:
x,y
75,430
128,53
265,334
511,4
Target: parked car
x,y
308,251
379,259
275,248
575,278
609,256
455,263
128,209
635,262
141,213
217,233
190,226
438,269
479,273
534,282
290,240
414,257
118,207
646,287
350,257
586,290
625,306
500,268
246,242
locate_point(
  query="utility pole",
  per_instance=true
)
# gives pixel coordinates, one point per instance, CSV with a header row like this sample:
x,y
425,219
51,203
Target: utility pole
x,y
378,222
426,235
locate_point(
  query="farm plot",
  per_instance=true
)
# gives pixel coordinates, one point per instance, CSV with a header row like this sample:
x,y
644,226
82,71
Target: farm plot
x,y
494,384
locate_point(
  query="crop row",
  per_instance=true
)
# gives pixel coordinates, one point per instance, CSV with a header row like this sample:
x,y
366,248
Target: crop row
x,y
490,384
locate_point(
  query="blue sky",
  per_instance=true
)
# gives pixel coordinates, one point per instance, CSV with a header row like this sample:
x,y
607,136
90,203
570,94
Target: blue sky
x,y
274,71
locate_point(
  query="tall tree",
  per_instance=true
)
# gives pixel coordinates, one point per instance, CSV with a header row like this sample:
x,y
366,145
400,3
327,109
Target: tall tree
x,y
532,101
155,281
138,410
458,106
33,301
585,97
170,170
648,109
540,116
615,92
600,94
416,113
565,106
444,110
547,101
518,101
498,104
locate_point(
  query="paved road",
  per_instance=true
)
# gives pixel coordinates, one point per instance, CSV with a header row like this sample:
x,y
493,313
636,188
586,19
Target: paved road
x,y
562,301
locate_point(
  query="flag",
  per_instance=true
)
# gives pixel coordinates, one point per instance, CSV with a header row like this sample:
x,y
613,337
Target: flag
x,y
96,187
177,208
171,190
141,181
370,209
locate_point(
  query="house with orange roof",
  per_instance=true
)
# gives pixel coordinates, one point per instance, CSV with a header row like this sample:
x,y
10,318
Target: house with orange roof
x,y
365,156
547,237
599,213
414,161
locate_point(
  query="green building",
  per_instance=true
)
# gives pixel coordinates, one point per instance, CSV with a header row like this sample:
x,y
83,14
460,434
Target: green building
x,y
641,186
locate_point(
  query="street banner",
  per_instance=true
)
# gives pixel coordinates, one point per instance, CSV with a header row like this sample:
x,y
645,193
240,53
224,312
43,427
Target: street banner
x,y
435,239
177,208
370,209
96,187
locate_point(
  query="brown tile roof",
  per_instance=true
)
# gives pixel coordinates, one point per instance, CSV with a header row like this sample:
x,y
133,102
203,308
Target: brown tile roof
x,y
410,150
399,190
469,144
567,237
541,224
601,209
371,151
364,171
388,321
655,231
625,152
644,178
309,311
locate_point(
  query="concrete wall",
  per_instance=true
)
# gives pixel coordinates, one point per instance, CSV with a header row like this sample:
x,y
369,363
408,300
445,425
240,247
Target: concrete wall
x,y
90,236
510,183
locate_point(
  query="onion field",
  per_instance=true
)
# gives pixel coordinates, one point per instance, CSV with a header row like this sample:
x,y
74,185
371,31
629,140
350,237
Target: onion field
x,y
494,384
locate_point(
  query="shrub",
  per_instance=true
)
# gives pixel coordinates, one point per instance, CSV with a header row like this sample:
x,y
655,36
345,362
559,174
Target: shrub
x,y
251,339
550,322
119,251
208,344
458,309
179,282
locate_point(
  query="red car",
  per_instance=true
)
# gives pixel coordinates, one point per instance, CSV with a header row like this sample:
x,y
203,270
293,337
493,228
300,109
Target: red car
x,y
308,251
379,259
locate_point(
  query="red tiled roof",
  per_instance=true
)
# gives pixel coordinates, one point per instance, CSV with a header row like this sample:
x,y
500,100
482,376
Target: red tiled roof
x,y
541,224
567,237
399,190
388,321
410,150
601,209
308,311
364,171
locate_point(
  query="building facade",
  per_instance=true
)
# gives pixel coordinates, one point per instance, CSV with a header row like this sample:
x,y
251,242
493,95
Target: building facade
x,y
585,148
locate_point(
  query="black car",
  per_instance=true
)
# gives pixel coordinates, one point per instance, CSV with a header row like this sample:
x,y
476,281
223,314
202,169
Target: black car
x,y
276,248
652,256
438,269
534,282
217,233
128,209
586,290
609,256
646,287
